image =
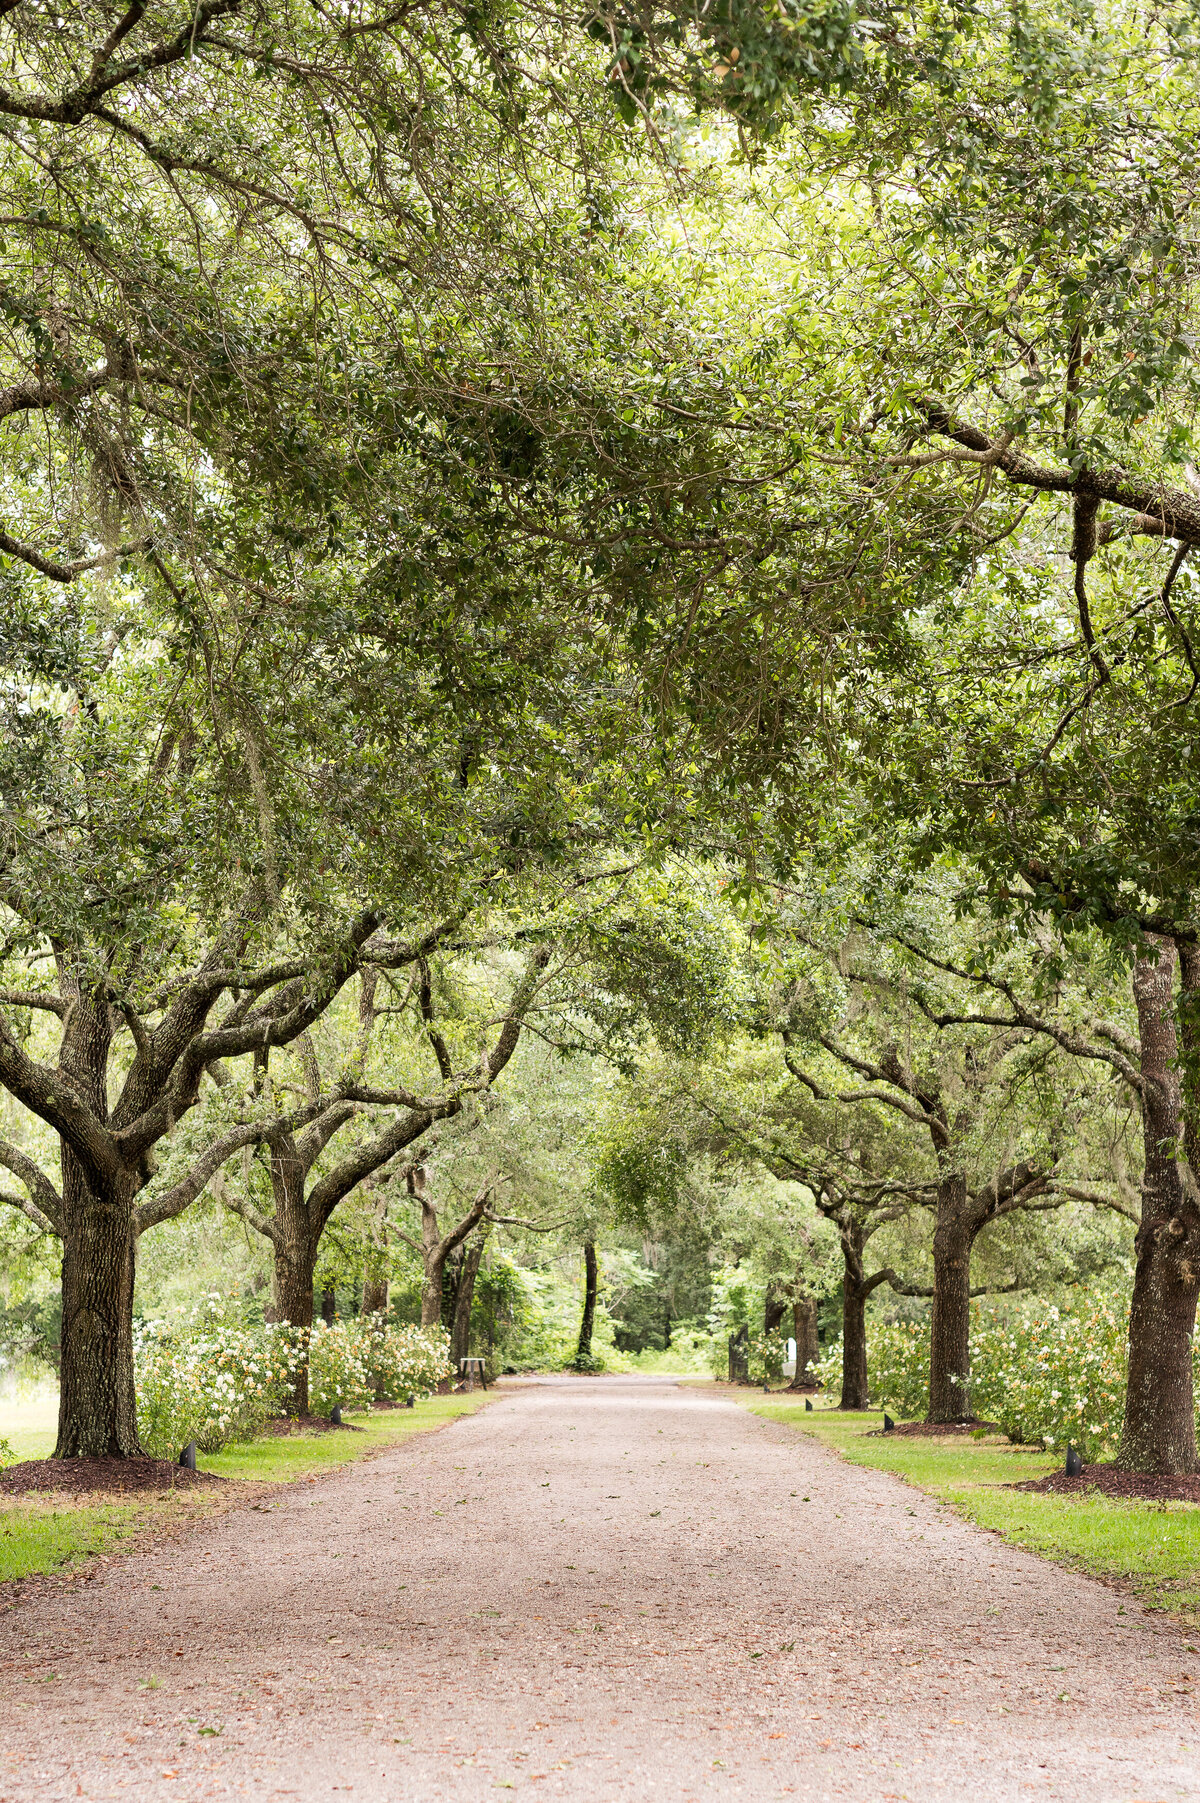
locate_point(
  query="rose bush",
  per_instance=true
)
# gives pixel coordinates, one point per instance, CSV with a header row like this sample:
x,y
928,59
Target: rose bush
x,y
1048,1375
212,1379
354,1362
339,1366
215,1379
410,1361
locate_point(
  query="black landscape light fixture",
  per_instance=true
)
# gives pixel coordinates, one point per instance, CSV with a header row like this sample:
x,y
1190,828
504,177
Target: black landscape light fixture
x,y
187,1458
1074,1462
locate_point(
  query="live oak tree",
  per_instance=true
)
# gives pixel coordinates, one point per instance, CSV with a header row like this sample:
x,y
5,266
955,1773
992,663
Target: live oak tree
x,y
111,1100
990,347
304,1196
999,1067
1062,706
833,1160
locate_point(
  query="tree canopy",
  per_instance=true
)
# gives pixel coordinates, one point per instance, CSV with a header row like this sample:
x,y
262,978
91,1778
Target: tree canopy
x,y
626,571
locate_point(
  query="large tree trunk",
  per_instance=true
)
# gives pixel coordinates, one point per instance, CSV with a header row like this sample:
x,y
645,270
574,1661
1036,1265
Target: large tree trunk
x,y
296,1248
854,1344
804,1331
950,1333
460,1332
295,1262
97,1408
591,1278
1159,1433
431,1293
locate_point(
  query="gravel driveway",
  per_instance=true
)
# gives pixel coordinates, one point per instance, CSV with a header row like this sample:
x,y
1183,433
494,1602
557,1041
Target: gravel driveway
x,y
597,1589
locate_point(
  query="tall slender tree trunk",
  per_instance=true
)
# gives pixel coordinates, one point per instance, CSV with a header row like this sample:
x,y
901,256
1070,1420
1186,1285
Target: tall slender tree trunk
x,y
295,1262
460,1332
804,1332
97,1408
587,1325
854,1344
296,1247
950,1332
1159,1432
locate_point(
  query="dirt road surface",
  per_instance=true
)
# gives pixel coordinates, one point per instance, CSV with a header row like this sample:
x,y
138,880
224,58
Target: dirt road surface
x,y
595,1589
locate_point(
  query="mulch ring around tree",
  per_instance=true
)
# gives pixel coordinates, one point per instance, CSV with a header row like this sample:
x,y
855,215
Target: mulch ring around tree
x,y
936,1430
308,1424
83,1477
1144,1485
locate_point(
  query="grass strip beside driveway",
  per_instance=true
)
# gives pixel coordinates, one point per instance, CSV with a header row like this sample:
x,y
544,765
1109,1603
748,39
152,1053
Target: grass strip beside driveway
x,y
40,1534
278,1458
1149,1549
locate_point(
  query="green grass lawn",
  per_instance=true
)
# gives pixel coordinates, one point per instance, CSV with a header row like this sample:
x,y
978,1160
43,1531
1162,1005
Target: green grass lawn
x,y
49,1533
279,1458
1152,1551
40,1536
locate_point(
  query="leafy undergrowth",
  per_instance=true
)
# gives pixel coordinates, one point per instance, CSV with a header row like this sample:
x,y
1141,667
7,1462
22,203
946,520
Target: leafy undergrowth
x,y
43,1534
1148,1549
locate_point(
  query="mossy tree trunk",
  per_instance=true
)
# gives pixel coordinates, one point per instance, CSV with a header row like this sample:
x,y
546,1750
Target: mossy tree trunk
x,y
1159,1432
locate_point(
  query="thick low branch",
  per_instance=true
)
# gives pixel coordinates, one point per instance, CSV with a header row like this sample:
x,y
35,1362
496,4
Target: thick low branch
x,y
50,1094
173,1201
46,1198
1177,510
35,998
31,1211
68,572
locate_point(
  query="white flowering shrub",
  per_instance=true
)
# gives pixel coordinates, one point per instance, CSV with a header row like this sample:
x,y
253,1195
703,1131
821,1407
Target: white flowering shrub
x,y
339,1366
215,1380
352,1362
1056,1377
767,1353
410,1361
1049,1376
211,1380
